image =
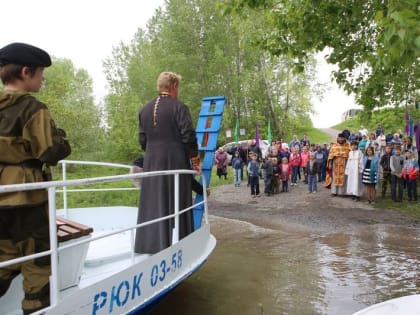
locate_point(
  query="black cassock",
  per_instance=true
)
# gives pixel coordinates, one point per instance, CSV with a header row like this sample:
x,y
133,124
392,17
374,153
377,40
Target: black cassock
x,y
168,138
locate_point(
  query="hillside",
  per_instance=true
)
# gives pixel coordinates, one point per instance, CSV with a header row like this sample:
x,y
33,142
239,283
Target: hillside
x,y
391,120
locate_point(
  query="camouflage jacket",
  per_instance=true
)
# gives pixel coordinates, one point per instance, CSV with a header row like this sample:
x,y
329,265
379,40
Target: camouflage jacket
x,y
28,139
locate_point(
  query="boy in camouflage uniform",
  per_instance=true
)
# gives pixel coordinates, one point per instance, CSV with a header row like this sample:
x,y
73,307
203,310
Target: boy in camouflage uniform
x,y
29,140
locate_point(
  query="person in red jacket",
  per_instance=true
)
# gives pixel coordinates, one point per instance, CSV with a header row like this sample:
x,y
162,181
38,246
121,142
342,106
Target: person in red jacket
x,y
295,162
410,173
285,172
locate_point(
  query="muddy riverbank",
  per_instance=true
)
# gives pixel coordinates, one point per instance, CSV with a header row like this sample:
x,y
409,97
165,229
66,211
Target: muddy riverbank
x,y
299,253
297,208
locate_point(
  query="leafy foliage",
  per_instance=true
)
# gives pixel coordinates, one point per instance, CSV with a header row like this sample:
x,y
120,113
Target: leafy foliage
x,y
68,94
376,44
215,56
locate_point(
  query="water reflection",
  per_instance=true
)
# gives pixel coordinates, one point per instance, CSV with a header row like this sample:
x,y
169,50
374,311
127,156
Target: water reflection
x,y
370,265
261,271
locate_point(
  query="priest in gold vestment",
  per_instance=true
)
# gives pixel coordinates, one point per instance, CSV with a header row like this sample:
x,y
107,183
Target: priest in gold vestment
x,y
336,165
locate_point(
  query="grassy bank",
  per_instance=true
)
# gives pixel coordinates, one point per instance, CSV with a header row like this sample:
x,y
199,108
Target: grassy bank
x,y
404,207
108,197
391,119
97,198
315,135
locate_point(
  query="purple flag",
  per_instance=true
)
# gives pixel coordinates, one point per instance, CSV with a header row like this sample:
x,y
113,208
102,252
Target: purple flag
x,y
257,134
411,128
417,134
407,123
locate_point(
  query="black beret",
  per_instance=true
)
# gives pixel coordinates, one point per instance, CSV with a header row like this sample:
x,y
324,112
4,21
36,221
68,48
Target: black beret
x,y
25,55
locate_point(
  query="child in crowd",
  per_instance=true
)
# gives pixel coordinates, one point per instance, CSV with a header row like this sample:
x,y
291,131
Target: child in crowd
x,y
362,144
376,151
295,163
410,146
285,171
286,154
410,173
370,173
386,170
305,158
397,164
312,171
381,140
254,177
276,176
353,170
370,142
237,169
321,158
268,176
396,140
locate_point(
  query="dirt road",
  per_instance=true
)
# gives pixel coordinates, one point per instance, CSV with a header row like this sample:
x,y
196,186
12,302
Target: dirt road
x,y
332,132
299,209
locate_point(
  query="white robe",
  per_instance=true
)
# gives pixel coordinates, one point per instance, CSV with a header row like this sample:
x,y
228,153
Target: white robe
x,y
353,171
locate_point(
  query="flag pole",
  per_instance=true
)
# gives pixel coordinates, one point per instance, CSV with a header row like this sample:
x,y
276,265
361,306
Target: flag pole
x,y
269,136
257,134
236,133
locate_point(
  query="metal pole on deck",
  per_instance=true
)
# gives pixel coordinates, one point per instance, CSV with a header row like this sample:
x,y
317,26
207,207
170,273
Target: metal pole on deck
x,y
53,247
175,231
206,209
64,190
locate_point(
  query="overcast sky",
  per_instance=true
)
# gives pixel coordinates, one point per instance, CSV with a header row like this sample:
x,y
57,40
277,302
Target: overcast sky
x,y
81,30
86,30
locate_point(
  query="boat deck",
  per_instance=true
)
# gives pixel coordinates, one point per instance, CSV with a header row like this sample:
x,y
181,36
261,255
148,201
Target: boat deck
x,y
105,257
94,268
108,255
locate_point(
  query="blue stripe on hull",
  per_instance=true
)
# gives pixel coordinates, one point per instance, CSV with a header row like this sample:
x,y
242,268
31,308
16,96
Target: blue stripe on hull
x,y
148,306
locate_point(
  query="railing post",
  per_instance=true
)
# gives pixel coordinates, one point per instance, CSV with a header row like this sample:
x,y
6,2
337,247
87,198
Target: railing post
x,y
64,189
206,210
132,239
175,230
53,247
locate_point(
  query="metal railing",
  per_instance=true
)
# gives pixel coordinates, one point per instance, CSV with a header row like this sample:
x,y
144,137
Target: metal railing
x,y
52,188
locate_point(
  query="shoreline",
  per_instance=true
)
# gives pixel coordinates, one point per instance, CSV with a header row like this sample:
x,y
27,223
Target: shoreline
x,y
297,209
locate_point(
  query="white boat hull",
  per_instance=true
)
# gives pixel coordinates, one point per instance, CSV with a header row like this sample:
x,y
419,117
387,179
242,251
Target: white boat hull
x,y
127,284
406,305
99,273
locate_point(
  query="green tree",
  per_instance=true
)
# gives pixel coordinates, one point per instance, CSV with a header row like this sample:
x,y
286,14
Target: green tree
x,y
131,77
215,56
67,91
376,44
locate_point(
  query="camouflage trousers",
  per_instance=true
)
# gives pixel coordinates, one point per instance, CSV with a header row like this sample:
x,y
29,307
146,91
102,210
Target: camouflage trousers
x,y
385,182
24,231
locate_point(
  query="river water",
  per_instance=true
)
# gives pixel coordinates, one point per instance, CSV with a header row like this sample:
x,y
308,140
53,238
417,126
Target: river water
x,y
255,271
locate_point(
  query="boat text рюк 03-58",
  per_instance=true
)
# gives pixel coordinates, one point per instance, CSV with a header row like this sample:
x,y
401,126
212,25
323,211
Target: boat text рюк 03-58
x,y
94,269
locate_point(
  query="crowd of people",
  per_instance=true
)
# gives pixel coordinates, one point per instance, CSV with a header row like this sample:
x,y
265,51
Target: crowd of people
x,y
373,161
357,164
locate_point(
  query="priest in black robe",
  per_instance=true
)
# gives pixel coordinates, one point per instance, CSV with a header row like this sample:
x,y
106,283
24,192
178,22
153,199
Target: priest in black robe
x,y
167,136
